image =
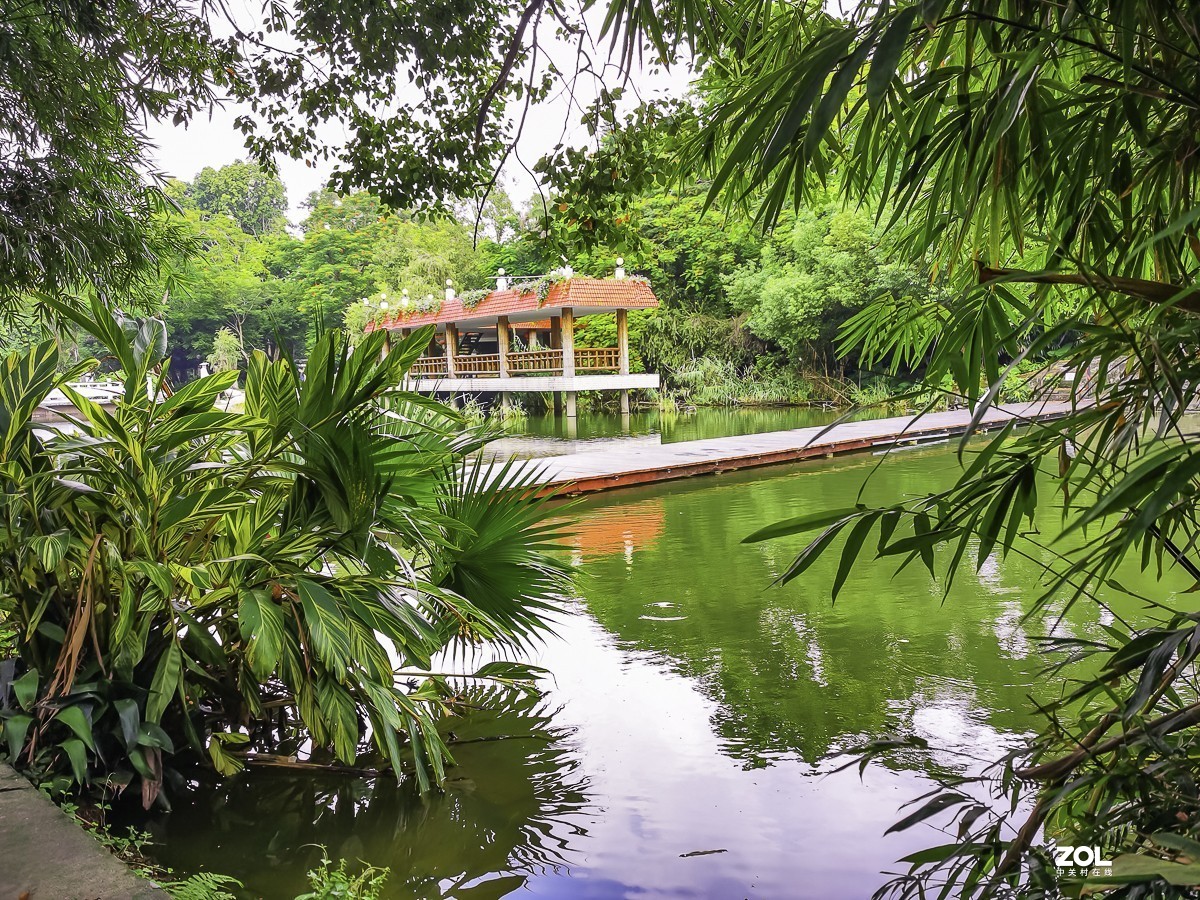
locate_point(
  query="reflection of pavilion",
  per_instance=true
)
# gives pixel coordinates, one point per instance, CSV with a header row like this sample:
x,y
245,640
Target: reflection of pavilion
x,y
515,341
620,529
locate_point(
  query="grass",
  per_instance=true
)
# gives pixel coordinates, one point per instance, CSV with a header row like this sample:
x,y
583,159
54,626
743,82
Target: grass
x,y
713,382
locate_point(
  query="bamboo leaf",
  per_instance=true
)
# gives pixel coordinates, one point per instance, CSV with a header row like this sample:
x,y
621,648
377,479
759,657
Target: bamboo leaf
x,y
801,524
888,51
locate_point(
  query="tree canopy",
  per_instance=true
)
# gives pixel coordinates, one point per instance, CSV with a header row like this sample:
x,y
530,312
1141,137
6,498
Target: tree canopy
x,y
80,82
252,197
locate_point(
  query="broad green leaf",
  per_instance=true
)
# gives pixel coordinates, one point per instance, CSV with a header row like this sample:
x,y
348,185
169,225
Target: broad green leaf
x,y
77,754
165,683
75,719
26,688
15,729
130,718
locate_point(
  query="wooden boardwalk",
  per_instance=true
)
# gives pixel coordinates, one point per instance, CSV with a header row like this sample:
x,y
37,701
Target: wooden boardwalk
x,y
614,467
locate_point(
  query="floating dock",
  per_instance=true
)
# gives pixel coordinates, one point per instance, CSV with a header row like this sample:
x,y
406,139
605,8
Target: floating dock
x,y
616,467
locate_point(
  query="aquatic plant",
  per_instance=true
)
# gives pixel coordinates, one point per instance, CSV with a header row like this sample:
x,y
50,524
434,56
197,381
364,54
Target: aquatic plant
x,y
473,411
709,381
512,411
330,882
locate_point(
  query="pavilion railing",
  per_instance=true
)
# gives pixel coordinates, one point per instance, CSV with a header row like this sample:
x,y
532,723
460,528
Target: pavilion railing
x,y
540,361
477,364
525,362
597,359
427,366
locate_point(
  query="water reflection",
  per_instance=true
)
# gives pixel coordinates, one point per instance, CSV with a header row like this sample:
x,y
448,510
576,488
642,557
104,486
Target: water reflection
x,y
695,711
791,672
509,812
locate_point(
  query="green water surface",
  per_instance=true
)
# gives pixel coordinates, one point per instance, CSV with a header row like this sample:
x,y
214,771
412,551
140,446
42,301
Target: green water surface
x,y
684,745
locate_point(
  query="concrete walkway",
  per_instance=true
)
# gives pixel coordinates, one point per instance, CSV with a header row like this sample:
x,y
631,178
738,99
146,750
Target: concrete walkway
x,y
642,463
46,856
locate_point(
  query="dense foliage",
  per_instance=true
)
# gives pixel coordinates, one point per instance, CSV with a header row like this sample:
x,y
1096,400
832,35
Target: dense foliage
x,y
759,308
190,586
80,80
243,272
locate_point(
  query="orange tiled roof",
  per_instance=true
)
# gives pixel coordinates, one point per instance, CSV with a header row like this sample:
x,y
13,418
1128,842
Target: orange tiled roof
x,y
578,293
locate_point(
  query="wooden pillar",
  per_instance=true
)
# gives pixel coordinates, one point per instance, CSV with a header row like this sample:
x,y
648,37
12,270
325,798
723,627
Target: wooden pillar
x,y
451,348
623,341
502,351
568,342
568,354
623,355
502,344
555,344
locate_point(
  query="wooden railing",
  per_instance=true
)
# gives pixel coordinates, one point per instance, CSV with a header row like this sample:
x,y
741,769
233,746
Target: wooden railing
x,y
540,361
429,366
527,362
477,364
597,359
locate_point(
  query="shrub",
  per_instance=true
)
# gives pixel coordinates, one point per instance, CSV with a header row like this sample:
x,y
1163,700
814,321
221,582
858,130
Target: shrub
x,y
192,585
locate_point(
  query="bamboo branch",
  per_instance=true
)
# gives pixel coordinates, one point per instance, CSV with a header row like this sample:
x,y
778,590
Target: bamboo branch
x,y
1183,298
1163,725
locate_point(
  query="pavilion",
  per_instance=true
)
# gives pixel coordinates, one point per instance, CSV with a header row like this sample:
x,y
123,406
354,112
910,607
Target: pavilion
x,y
512,340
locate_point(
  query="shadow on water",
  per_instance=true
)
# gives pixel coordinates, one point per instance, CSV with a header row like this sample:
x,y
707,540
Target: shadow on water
x,y
509,812
695,708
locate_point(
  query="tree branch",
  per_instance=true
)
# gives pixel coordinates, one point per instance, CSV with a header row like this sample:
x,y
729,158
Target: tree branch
x,y
510,59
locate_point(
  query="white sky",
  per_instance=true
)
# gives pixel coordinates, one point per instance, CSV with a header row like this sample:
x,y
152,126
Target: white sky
x,y
181,152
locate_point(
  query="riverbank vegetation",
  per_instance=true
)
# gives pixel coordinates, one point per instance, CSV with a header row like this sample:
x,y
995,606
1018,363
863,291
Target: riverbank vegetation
x,y
187,587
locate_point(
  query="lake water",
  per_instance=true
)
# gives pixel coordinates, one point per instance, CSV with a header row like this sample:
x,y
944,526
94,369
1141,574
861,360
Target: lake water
x,y
686,743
